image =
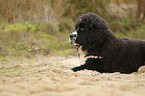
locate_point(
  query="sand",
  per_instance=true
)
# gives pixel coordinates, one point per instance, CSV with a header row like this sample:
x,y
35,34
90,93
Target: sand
x,y
51,76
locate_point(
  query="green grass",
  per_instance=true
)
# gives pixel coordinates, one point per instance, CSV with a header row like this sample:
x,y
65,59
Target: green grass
x,y
135,33
19,39
19,27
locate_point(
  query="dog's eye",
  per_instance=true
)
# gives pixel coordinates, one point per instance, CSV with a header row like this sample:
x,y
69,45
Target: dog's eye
x,y
81,29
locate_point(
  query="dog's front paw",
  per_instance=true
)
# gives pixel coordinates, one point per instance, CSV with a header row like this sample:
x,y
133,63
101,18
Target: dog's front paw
x,y
75,69
78,68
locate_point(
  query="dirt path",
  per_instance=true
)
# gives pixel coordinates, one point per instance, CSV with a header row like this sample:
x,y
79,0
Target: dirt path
x,y
51,76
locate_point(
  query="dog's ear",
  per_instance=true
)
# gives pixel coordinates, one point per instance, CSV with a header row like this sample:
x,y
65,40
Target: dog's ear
x,y
91,26
97,30
92,34
97,35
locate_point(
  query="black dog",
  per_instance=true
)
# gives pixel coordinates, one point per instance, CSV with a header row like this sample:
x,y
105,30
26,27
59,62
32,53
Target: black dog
x,y
104,51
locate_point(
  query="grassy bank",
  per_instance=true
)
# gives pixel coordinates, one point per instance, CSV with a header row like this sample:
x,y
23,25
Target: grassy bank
x,y
26,38
43,27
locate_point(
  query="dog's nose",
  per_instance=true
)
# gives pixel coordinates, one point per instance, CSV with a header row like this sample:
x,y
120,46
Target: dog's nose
x,y
73,35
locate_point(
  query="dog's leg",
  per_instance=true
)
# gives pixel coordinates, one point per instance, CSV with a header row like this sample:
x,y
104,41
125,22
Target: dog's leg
x,y
87,66
82,67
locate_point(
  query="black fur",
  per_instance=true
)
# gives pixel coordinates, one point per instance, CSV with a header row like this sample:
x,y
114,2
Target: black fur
x,y
119,55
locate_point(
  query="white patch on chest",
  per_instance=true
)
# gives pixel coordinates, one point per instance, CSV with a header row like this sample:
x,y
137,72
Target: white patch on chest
x,y
82,55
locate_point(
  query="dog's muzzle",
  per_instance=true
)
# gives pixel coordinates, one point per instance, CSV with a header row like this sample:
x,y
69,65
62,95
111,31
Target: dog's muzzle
x,y
73,37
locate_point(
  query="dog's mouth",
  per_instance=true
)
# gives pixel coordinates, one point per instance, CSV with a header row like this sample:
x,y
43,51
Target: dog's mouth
x,y
72,38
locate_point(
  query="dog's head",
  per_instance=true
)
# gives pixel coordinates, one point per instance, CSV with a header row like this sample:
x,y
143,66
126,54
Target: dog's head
x,y
89,28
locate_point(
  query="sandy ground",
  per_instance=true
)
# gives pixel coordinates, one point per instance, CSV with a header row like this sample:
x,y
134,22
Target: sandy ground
x,y
51,76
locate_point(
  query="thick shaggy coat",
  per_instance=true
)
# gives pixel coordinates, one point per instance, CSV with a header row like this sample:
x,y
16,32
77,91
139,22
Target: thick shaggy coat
x,y
104,51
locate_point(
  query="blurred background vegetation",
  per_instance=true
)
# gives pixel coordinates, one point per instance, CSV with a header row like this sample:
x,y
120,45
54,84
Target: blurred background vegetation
x,y
29,27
